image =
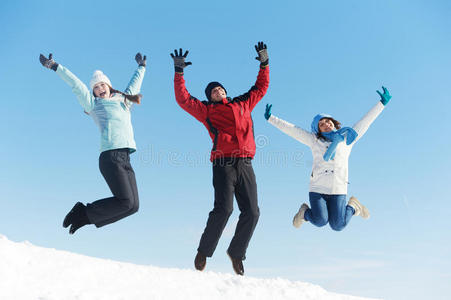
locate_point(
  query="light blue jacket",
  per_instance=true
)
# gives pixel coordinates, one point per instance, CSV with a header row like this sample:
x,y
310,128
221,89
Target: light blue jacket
x,y
112,115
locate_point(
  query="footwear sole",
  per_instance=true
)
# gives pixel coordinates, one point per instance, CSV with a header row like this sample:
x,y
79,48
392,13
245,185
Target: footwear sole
x,y
203,267
363,211
231,259
66,221
298,218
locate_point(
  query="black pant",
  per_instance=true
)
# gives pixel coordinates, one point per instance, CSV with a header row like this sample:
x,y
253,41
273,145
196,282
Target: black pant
x,y
232,176
120,177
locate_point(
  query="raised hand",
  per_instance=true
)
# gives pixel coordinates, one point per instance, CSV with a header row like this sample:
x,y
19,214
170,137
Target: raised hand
x,y
385,97
140,60
49,63
262,53
179,60
268,111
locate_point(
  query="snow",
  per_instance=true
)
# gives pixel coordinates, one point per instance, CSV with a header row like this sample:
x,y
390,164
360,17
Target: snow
x,y
32,272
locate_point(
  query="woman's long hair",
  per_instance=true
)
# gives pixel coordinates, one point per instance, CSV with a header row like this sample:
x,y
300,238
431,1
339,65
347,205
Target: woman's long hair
x,y
132,98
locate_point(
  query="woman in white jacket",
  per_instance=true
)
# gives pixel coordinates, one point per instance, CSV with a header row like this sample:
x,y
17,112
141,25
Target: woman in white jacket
x,y
331,146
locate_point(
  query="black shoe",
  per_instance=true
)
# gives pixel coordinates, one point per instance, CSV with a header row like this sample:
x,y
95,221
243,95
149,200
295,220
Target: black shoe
x,y
76,225
237,264
77,217
73,214
200,261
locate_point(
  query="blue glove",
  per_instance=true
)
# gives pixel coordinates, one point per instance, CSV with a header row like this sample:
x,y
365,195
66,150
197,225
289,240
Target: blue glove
x,y
268,111
385,97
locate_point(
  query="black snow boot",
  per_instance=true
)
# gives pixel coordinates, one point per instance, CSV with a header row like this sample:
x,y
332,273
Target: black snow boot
x,y
237,264
200,261
77,217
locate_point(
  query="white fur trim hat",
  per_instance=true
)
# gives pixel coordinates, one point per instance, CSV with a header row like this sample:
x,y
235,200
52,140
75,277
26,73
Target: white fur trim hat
x,y
97,77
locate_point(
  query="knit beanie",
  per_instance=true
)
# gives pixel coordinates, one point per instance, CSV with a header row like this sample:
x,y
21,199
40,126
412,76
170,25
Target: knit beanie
x,y
210,87
316,120
97,77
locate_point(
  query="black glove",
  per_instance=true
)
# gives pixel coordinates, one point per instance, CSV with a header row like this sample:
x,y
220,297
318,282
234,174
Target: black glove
x,y
262,54
49,63
179,60
140,60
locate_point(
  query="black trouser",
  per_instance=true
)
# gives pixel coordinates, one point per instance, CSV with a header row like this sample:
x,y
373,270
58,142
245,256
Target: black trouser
x,y
120,177
232,176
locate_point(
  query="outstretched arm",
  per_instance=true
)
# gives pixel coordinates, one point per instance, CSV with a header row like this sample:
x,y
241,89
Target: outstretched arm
x,y
134,86
84,96
189,103
295,132
362,126
258,90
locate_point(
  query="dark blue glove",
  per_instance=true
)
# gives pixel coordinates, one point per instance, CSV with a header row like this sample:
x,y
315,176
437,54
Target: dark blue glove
x,y
141,60
49,63
268,111
385,97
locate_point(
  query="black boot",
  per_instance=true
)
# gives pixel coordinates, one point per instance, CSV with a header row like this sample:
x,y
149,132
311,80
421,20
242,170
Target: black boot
x,y
77,217
237,264
200,261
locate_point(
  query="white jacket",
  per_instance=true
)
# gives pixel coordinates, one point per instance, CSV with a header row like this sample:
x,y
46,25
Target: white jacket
x,y
328,177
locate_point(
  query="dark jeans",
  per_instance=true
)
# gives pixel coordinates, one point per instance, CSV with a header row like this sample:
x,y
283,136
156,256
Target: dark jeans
x,y
232,176
329,208
120,177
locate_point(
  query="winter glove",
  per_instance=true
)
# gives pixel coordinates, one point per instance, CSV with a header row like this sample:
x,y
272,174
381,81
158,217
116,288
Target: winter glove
x,y
268,111
49,63
262,54
385,97
179,60
140,60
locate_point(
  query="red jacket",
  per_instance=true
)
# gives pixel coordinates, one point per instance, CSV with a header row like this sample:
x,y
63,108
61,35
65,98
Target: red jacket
x,y
229,122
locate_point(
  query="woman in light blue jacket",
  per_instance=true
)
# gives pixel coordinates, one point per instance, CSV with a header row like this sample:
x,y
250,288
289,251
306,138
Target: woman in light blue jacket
x,y
110,110
331,146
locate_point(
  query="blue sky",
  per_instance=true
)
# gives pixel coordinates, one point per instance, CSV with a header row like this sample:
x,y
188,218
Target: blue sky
x,y
325,56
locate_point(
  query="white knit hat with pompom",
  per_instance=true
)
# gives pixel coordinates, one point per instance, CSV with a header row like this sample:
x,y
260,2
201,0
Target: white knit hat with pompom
x,y
97,77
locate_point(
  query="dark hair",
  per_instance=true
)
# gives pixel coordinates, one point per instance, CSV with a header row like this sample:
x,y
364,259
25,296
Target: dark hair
x,y
336,124
132,98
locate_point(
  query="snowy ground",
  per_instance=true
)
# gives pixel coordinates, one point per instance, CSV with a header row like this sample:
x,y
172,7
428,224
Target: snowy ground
x,y
31,272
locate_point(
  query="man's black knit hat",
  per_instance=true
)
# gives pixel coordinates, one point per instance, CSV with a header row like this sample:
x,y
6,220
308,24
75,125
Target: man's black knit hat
x,y
210,87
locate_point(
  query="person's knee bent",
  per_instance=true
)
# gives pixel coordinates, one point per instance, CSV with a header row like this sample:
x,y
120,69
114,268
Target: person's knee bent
x,y
130,204
320,221
337,227
135,206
